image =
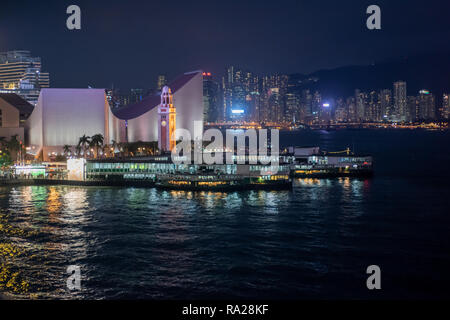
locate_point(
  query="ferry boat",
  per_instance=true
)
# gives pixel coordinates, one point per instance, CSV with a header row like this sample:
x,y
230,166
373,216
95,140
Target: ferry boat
x,y
160,171
223,182
309,162
163,173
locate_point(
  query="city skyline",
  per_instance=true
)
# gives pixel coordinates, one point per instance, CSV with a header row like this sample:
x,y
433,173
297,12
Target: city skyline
x,y
287,37
244,96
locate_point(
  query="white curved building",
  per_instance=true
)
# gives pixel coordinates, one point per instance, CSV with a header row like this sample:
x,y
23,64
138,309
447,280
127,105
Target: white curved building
x,y
142,118
62,116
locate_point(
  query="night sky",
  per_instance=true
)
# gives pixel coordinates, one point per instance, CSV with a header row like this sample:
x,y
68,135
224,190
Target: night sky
x,y
129,43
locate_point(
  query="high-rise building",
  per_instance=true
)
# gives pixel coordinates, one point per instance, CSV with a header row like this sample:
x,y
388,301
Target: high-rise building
x,y
240,89
254,100
274,111
306,101
326,110
412,114
426,105
351,106
361,102
21,73
386,103
341,112
293,111
119,98
373,109
445,113
162,81
316,105
211,105
400,103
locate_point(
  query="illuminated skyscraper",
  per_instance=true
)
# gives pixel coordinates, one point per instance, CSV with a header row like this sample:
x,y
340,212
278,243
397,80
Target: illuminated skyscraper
x,y
386,103
293,111
341,113
445,114
361,102
227,90
162,81
426,105
306,100
21,73
373,108
239,89
211,105
400,103
351,106
412,108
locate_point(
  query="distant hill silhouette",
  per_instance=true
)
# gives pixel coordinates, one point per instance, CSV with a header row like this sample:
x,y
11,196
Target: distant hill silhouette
x,y
428,71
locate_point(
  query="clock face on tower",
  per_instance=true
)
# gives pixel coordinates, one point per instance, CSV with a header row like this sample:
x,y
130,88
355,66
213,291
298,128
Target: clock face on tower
x,y
163,123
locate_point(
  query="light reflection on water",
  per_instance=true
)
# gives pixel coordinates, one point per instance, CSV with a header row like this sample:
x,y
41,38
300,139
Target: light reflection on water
x,y
148,243
168,232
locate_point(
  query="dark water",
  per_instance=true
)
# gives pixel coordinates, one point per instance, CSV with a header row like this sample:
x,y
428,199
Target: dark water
x,y
313,242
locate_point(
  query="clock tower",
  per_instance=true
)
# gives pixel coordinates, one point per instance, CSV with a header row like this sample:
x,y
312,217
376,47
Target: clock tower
x,y
166,121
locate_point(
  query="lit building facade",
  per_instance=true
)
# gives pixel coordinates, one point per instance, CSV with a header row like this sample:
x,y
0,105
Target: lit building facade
x,y
14,111
400,100
386,103
426,105
62,116
241,90
21,73
162,81
446,106
140,120
211,104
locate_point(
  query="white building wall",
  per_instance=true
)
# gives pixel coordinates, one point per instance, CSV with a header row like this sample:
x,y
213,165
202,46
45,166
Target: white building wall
x,y
188,102
62,116
144,127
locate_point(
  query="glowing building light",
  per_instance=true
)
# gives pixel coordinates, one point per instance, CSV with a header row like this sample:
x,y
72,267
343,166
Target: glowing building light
x,y
237,111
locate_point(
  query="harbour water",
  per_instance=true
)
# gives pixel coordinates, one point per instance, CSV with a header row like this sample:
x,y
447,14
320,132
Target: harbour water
x,y
313,242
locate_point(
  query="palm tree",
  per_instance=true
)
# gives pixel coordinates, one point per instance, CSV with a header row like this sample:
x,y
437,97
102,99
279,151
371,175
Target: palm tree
x,y
66,150
14,146
78,150
83,143
96,142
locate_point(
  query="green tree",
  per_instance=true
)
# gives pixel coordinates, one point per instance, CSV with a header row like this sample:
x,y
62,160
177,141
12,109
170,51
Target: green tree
x,y
78,150
14,146
96,142
67,150
5,158
83,143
